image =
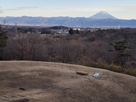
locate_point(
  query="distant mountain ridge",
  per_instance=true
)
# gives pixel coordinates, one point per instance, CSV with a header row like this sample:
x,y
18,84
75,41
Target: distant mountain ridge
x,y
98,20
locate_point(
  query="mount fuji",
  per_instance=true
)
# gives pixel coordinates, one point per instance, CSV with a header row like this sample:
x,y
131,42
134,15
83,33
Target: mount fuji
x,y
103,15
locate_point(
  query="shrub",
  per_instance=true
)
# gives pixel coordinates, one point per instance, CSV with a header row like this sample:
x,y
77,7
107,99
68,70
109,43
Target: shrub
x,y
112,67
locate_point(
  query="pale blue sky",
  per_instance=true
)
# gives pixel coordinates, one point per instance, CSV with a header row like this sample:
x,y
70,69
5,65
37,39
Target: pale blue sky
x,y
123,9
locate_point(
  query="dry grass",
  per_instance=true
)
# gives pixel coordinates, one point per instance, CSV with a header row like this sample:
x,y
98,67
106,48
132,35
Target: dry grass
x,y
57,82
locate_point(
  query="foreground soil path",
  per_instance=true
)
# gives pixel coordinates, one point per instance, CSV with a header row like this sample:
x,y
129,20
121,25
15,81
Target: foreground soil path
x,y
29,81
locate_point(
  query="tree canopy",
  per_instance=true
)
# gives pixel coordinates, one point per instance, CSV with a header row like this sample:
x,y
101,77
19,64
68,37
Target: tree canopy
x,y
3,40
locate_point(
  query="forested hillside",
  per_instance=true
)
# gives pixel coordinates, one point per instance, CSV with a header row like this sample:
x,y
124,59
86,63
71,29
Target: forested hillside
x,y
102,48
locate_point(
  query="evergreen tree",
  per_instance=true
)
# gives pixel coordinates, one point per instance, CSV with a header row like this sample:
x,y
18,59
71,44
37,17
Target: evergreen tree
x,y
3,39
77,31
71,31
123,51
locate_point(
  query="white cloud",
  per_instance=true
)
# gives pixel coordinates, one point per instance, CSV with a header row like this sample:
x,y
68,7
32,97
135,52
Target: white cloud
x,y
22,8
118,11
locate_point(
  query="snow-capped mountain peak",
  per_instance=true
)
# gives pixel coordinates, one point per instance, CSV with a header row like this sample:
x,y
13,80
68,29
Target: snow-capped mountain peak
x,y
103,15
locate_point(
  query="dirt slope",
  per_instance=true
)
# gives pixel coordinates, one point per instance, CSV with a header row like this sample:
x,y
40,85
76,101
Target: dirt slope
x,y
28,81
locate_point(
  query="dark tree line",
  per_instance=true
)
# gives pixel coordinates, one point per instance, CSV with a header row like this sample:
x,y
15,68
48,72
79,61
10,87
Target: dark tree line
x,y
3,39
106,46
109,49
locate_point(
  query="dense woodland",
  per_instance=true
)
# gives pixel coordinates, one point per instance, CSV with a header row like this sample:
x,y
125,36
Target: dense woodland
x,y
110,49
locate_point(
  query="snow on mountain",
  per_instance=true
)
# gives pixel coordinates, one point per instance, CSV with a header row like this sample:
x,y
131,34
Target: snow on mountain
x,y
103,15
98,20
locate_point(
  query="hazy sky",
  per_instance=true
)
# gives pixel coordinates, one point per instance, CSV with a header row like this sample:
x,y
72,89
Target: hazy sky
x,y
123,9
